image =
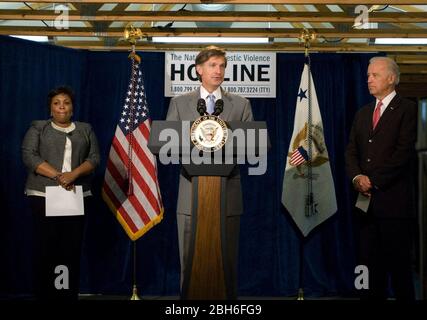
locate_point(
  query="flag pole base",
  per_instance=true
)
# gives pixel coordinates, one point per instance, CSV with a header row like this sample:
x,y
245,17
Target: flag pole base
x,y
135,294
300,294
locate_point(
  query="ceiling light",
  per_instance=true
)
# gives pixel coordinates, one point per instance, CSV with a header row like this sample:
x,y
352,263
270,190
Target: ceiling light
x,y
400,41
209,40
33,38
213,8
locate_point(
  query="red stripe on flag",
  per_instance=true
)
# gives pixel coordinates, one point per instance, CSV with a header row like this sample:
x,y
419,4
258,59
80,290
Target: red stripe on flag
x,y
144,159
296,158
143,207
137,176
110,194
118,179
137,207
144,129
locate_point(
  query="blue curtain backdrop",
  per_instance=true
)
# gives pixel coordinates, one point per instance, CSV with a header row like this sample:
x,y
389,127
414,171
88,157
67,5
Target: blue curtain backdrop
x,y
269,263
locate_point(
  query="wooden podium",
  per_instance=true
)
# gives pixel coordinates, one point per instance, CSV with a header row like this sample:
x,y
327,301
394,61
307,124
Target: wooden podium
x,y
207,274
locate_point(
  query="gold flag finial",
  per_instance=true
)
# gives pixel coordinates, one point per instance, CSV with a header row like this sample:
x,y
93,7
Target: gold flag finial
x,y
132,34
307,37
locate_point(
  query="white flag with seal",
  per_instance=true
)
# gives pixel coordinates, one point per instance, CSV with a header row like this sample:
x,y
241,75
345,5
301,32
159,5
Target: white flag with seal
x,y
308,191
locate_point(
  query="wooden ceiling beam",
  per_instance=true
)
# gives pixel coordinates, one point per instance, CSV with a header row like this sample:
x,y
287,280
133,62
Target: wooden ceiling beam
x,y
409,59
161,9
217,32
338,2
413,69
281,9
123,46
82,7
337,25
116,10
409,90
230,16
413,78
303,8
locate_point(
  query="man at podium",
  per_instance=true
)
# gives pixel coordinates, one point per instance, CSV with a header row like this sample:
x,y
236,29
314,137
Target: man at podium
x,y
210,67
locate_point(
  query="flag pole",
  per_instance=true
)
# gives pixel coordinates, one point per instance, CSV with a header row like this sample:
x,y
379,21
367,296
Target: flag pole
x,y
134,287
131,34
300,295
307,37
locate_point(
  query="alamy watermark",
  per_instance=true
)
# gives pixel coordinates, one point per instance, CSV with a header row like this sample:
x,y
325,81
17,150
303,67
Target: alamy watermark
x,y
362,19
361,282
242,147
62,280
62,21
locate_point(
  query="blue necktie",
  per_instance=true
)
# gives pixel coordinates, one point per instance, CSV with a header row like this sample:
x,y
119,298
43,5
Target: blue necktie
x,y
211,103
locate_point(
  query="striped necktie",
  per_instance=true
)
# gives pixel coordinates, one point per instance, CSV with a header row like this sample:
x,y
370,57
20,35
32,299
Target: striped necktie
x,y
377,114
211,103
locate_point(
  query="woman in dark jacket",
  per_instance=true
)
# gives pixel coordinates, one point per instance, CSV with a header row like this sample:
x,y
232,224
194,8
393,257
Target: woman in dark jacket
x,y
58,152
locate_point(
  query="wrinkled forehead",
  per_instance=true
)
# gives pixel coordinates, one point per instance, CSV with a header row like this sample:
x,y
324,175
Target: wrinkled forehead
x,y
216,60
380,64
378,67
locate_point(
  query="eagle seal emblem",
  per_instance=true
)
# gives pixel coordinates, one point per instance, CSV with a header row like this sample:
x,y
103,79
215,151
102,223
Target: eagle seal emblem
x,y
300,145
209,133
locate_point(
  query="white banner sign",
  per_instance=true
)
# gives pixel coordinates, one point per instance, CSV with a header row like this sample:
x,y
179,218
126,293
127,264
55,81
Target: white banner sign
x,y
249,74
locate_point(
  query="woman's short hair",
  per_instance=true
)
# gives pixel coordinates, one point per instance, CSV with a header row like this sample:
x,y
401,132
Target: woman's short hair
x,y
207,53
60,90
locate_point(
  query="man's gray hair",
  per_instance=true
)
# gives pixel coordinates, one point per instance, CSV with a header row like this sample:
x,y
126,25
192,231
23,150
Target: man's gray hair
x,y
391,65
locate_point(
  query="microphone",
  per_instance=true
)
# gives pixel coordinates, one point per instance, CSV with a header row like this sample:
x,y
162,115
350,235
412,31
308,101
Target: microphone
x,y
219,107
201,106
69,134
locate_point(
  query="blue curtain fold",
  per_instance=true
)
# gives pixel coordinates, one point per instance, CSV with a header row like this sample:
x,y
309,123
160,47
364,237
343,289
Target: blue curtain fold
x,y
270,243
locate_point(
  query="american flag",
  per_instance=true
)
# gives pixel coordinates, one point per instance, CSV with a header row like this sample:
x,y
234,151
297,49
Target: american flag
x,y
131,188
299,156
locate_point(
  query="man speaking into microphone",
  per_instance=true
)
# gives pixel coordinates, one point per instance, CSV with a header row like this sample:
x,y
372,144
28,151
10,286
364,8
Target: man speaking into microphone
x,y
210,98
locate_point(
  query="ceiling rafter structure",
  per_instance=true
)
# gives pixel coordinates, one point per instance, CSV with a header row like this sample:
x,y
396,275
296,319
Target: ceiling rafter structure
x,y
278,21
99,25
337,2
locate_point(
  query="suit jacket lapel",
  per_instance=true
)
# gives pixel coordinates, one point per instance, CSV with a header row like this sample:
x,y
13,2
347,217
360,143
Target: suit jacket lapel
x,y
228,105
192,103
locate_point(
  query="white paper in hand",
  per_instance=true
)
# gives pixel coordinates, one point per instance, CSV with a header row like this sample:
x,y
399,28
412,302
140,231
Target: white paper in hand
x,y
363,202
60,202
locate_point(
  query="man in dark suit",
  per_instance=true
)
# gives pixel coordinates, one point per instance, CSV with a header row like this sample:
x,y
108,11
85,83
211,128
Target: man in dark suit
x,y
378,160
210,67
